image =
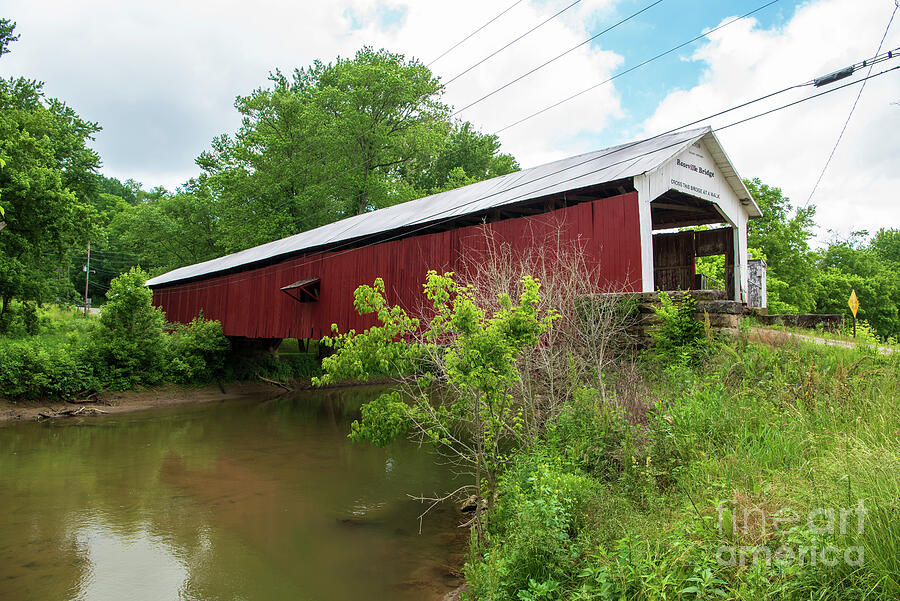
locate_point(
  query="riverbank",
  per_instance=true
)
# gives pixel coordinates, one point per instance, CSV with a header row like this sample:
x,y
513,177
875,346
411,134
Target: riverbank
x,y
165,395
133,400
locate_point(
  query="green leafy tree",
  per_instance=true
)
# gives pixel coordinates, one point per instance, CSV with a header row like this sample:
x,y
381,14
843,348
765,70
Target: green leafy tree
x,y
6,35
473,415
886,245
168,230
130,191
856,265
327,142
130,344
466,156
783,234
6,29
49,169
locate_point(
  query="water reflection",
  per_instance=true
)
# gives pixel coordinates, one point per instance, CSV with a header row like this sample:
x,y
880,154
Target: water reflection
x,y
241,500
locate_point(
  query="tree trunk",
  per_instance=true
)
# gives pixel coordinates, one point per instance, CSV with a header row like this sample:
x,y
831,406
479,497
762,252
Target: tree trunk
x,y
479,435
363,196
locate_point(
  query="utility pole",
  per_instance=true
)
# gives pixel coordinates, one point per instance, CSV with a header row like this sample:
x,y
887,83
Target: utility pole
x,y
87,278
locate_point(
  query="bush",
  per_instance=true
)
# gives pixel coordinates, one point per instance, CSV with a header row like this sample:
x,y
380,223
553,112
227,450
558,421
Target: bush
x,y
196,352
591,435
20,320
36,369
540,518
130,345
679,336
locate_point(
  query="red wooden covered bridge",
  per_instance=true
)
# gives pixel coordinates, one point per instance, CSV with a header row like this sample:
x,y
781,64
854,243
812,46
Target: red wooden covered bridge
x,y
623,204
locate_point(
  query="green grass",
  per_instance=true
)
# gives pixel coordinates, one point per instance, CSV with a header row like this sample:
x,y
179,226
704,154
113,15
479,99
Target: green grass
x,y
613,510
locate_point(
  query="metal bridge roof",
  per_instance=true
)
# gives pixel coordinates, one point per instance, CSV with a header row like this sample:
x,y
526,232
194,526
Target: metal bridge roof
x,y
597,167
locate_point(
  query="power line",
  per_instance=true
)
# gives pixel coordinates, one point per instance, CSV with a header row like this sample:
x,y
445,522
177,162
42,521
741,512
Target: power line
x,y
559,56
545,109
852,108
277,207
319,255
508,44
829,91
629,70
457,44
519,78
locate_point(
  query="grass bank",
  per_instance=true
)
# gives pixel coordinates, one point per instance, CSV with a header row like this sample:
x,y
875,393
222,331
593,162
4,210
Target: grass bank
x,y
755,472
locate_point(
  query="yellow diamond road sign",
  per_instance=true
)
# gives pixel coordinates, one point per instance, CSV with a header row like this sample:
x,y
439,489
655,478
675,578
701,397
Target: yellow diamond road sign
x,y
853,302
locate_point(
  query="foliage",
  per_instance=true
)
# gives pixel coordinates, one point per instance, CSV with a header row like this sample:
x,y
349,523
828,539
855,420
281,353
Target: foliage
x,y
544,510
324,143
65,355
592,435
48,172
753,430
679,335
6,35
168,230
466,156
34,369
783,234
801,280
845,267
130,344
197,351
472,353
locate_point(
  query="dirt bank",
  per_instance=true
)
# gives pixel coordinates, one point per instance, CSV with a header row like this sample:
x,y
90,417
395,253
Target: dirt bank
x,y
133,400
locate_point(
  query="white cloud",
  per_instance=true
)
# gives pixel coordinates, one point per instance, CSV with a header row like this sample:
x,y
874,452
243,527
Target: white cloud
x,y
430,28
161,77
788,149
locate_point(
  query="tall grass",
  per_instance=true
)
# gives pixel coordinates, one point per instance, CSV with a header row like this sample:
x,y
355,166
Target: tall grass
x,y
727,454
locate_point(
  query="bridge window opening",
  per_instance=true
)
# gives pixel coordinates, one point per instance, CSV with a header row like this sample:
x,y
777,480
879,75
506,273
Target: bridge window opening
x,y
304,291
676,251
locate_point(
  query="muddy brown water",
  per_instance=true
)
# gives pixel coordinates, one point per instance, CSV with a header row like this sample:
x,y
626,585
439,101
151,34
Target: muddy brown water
x,y
241,500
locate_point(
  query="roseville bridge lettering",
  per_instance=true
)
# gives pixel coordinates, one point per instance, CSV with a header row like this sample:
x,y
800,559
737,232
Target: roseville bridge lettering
x,y
694,168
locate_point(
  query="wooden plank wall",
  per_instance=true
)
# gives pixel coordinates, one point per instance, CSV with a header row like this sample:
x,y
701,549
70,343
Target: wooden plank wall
x,y
675,253
251,303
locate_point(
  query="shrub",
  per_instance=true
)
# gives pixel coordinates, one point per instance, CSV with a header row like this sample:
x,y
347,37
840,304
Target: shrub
x,y
37,369
593,436
196,352
541,516
130,345
20,320
679,336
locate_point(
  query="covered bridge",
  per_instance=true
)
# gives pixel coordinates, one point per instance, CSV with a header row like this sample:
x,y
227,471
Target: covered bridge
x,y
623,204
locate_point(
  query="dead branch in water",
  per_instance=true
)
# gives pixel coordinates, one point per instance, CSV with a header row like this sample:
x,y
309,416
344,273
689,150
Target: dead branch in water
x,y
82,410
276,383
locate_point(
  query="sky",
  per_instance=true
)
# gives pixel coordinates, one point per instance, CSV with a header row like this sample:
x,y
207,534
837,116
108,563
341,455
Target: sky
x,y
161,78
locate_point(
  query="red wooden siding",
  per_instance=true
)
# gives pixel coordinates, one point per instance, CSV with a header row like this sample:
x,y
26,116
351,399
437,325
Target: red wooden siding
x,y
251,304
